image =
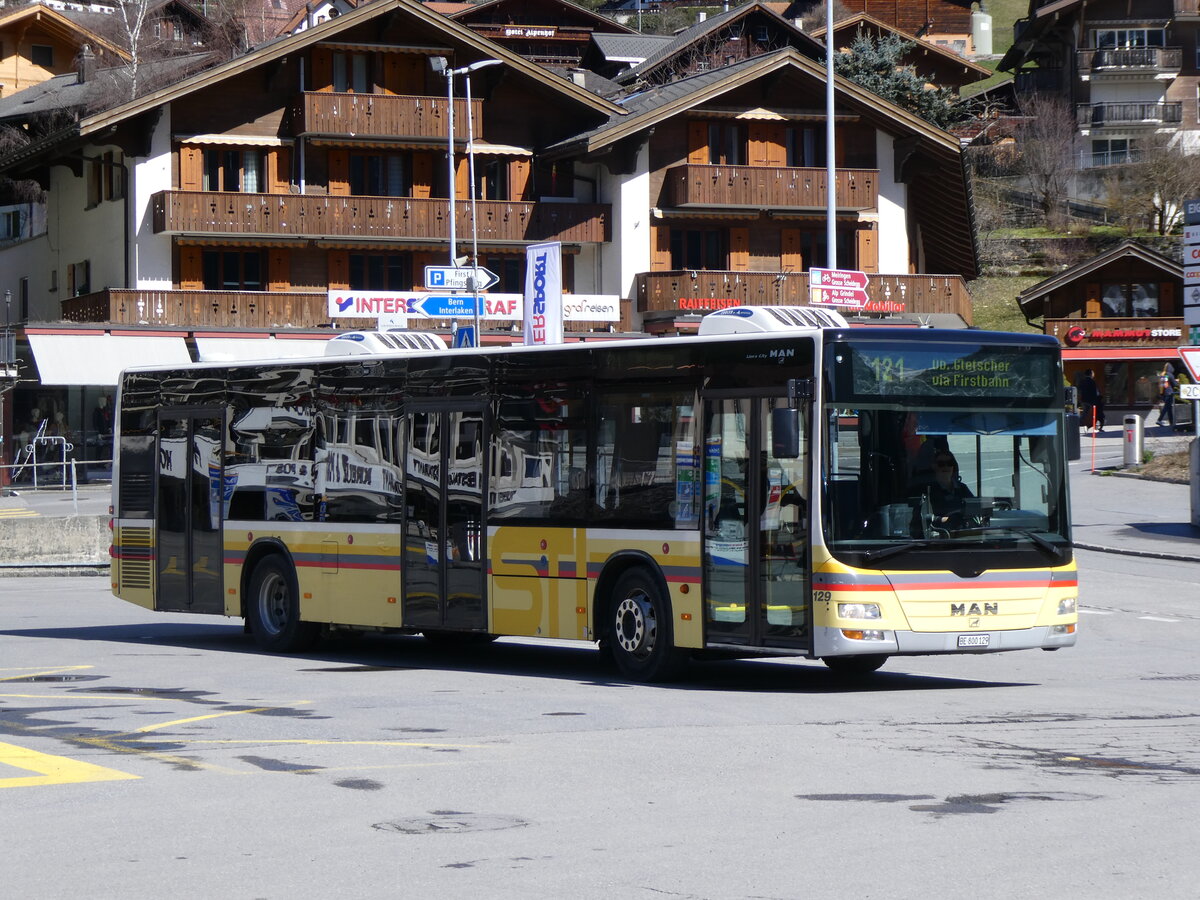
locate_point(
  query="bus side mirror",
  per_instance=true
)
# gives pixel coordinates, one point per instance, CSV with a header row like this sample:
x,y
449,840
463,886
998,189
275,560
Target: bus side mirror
x,y
785,433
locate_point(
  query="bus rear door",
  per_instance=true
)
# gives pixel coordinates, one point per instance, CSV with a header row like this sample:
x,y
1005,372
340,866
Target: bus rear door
x,y
756,531
189,501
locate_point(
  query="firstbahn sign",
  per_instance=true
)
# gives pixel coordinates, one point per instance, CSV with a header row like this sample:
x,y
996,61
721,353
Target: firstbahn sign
x,y
458,278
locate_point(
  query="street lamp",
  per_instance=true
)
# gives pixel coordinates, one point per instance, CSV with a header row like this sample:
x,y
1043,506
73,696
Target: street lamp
x,y
440,65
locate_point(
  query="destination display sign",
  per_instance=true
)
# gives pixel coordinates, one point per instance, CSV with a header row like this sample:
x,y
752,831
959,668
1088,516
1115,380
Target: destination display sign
x,y
951,370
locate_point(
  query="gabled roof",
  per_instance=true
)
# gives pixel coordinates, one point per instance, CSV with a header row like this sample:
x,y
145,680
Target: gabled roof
x,y
460,36
327,31
689,38
942,58
58,23
943,192
567,13
629,48
1035,294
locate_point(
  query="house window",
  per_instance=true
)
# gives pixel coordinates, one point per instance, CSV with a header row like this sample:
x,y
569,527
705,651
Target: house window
x,y
351,73
380,175
1122,300
380,272
23,299
509,269
232,270
1111,151
1128,38
491,179
726,144
805,146
79,278
41,55
10,225
698,248
555,179
233,170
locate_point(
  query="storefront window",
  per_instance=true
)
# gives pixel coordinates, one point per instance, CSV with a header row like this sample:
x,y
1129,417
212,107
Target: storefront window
x,y
1124,300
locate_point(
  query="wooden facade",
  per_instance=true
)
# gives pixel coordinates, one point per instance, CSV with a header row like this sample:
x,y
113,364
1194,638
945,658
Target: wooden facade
x,y
768,187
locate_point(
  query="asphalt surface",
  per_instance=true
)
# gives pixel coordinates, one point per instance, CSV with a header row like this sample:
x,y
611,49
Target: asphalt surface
x,y
1113,510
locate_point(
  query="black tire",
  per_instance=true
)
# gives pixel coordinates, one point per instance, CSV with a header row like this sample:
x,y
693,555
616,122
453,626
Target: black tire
x,y
640,633
273,608
855,666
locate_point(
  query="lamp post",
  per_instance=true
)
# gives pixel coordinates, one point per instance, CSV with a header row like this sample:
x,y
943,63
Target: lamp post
x,y
440,65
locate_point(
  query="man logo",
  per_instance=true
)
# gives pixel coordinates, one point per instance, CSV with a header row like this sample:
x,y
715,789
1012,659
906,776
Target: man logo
x,y
975,609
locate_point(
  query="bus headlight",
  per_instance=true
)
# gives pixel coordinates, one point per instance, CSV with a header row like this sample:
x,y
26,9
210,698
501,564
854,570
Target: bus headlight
x,y
864,635
1067,606
858,610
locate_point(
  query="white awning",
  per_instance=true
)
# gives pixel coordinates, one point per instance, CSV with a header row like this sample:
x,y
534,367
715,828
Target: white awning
x,y
234,349
98,359
235,140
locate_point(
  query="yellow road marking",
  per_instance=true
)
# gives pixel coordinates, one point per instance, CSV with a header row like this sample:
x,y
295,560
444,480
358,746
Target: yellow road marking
x,y
52,769
37,673
18,513
315,742
234,712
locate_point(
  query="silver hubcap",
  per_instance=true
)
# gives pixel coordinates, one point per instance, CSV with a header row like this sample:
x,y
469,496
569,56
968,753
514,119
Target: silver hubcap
x,y
637,625
273,606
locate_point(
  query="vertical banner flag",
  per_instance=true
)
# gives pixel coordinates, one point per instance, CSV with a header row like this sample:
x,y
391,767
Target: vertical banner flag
x,y
543,294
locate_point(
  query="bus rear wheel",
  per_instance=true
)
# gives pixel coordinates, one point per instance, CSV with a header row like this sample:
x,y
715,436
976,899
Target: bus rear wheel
x,y
273,608
640,637
855,666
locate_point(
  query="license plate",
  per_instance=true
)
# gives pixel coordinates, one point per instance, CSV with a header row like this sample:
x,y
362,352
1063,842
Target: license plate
x,y
974,640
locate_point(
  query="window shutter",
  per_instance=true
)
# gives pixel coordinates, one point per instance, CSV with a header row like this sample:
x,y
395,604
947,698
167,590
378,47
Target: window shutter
x,y
339,269
698,143
191,168
279,269
339,173
739,249
422,175
322,69
191,269
660,255
1166,300
518,178
791,253
868,250
279,170
1092,296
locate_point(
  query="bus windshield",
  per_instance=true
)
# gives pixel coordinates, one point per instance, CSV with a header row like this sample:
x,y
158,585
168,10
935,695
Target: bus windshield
x,y
914,472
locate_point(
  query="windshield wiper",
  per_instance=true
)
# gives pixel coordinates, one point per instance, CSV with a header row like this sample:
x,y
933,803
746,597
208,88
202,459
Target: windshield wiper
x,y
896,550
1040,542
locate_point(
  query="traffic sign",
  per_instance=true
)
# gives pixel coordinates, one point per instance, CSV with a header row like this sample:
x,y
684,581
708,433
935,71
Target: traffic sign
x,y
1189,392
1191,235
1191,359
838,287
458,278
444,306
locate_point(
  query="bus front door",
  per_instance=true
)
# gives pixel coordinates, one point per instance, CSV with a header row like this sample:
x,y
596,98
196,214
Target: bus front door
x,y
189,512
444,542
756,525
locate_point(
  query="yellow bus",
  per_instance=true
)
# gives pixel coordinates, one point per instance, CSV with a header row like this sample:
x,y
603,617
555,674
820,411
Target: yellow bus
x,y
781,484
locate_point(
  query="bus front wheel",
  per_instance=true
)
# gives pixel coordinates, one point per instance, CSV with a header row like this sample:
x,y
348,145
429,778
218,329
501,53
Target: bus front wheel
x,y
273,608
640,637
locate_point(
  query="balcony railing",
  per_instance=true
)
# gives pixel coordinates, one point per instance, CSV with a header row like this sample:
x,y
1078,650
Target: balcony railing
x,y
1034,81
1098,115
692,290
245,309
316,216
1152,60
765,187
380,115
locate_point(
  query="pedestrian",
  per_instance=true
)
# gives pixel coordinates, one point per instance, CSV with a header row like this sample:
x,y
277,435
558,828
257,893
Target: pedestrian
x,y
1091,402
1168,387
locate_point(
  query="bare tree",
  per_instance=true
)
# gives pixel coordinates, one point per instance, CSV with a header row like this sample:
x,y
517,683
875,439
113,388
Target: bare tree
x,y
813,18
1166,176
1047,139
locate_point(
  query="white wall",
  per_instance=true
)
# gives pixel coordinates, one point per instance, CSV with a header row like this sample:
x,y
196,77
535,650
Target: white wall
x,y
76,233
628,253
28,259
150,262
893,205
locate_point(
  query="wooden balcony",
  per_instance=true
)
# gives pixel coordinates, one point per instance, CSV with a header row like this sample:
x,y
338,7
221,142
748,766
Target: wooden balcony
x,y
402,218
1128,113
763,187
250,310
381,116
703,291
1152,61
190,309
